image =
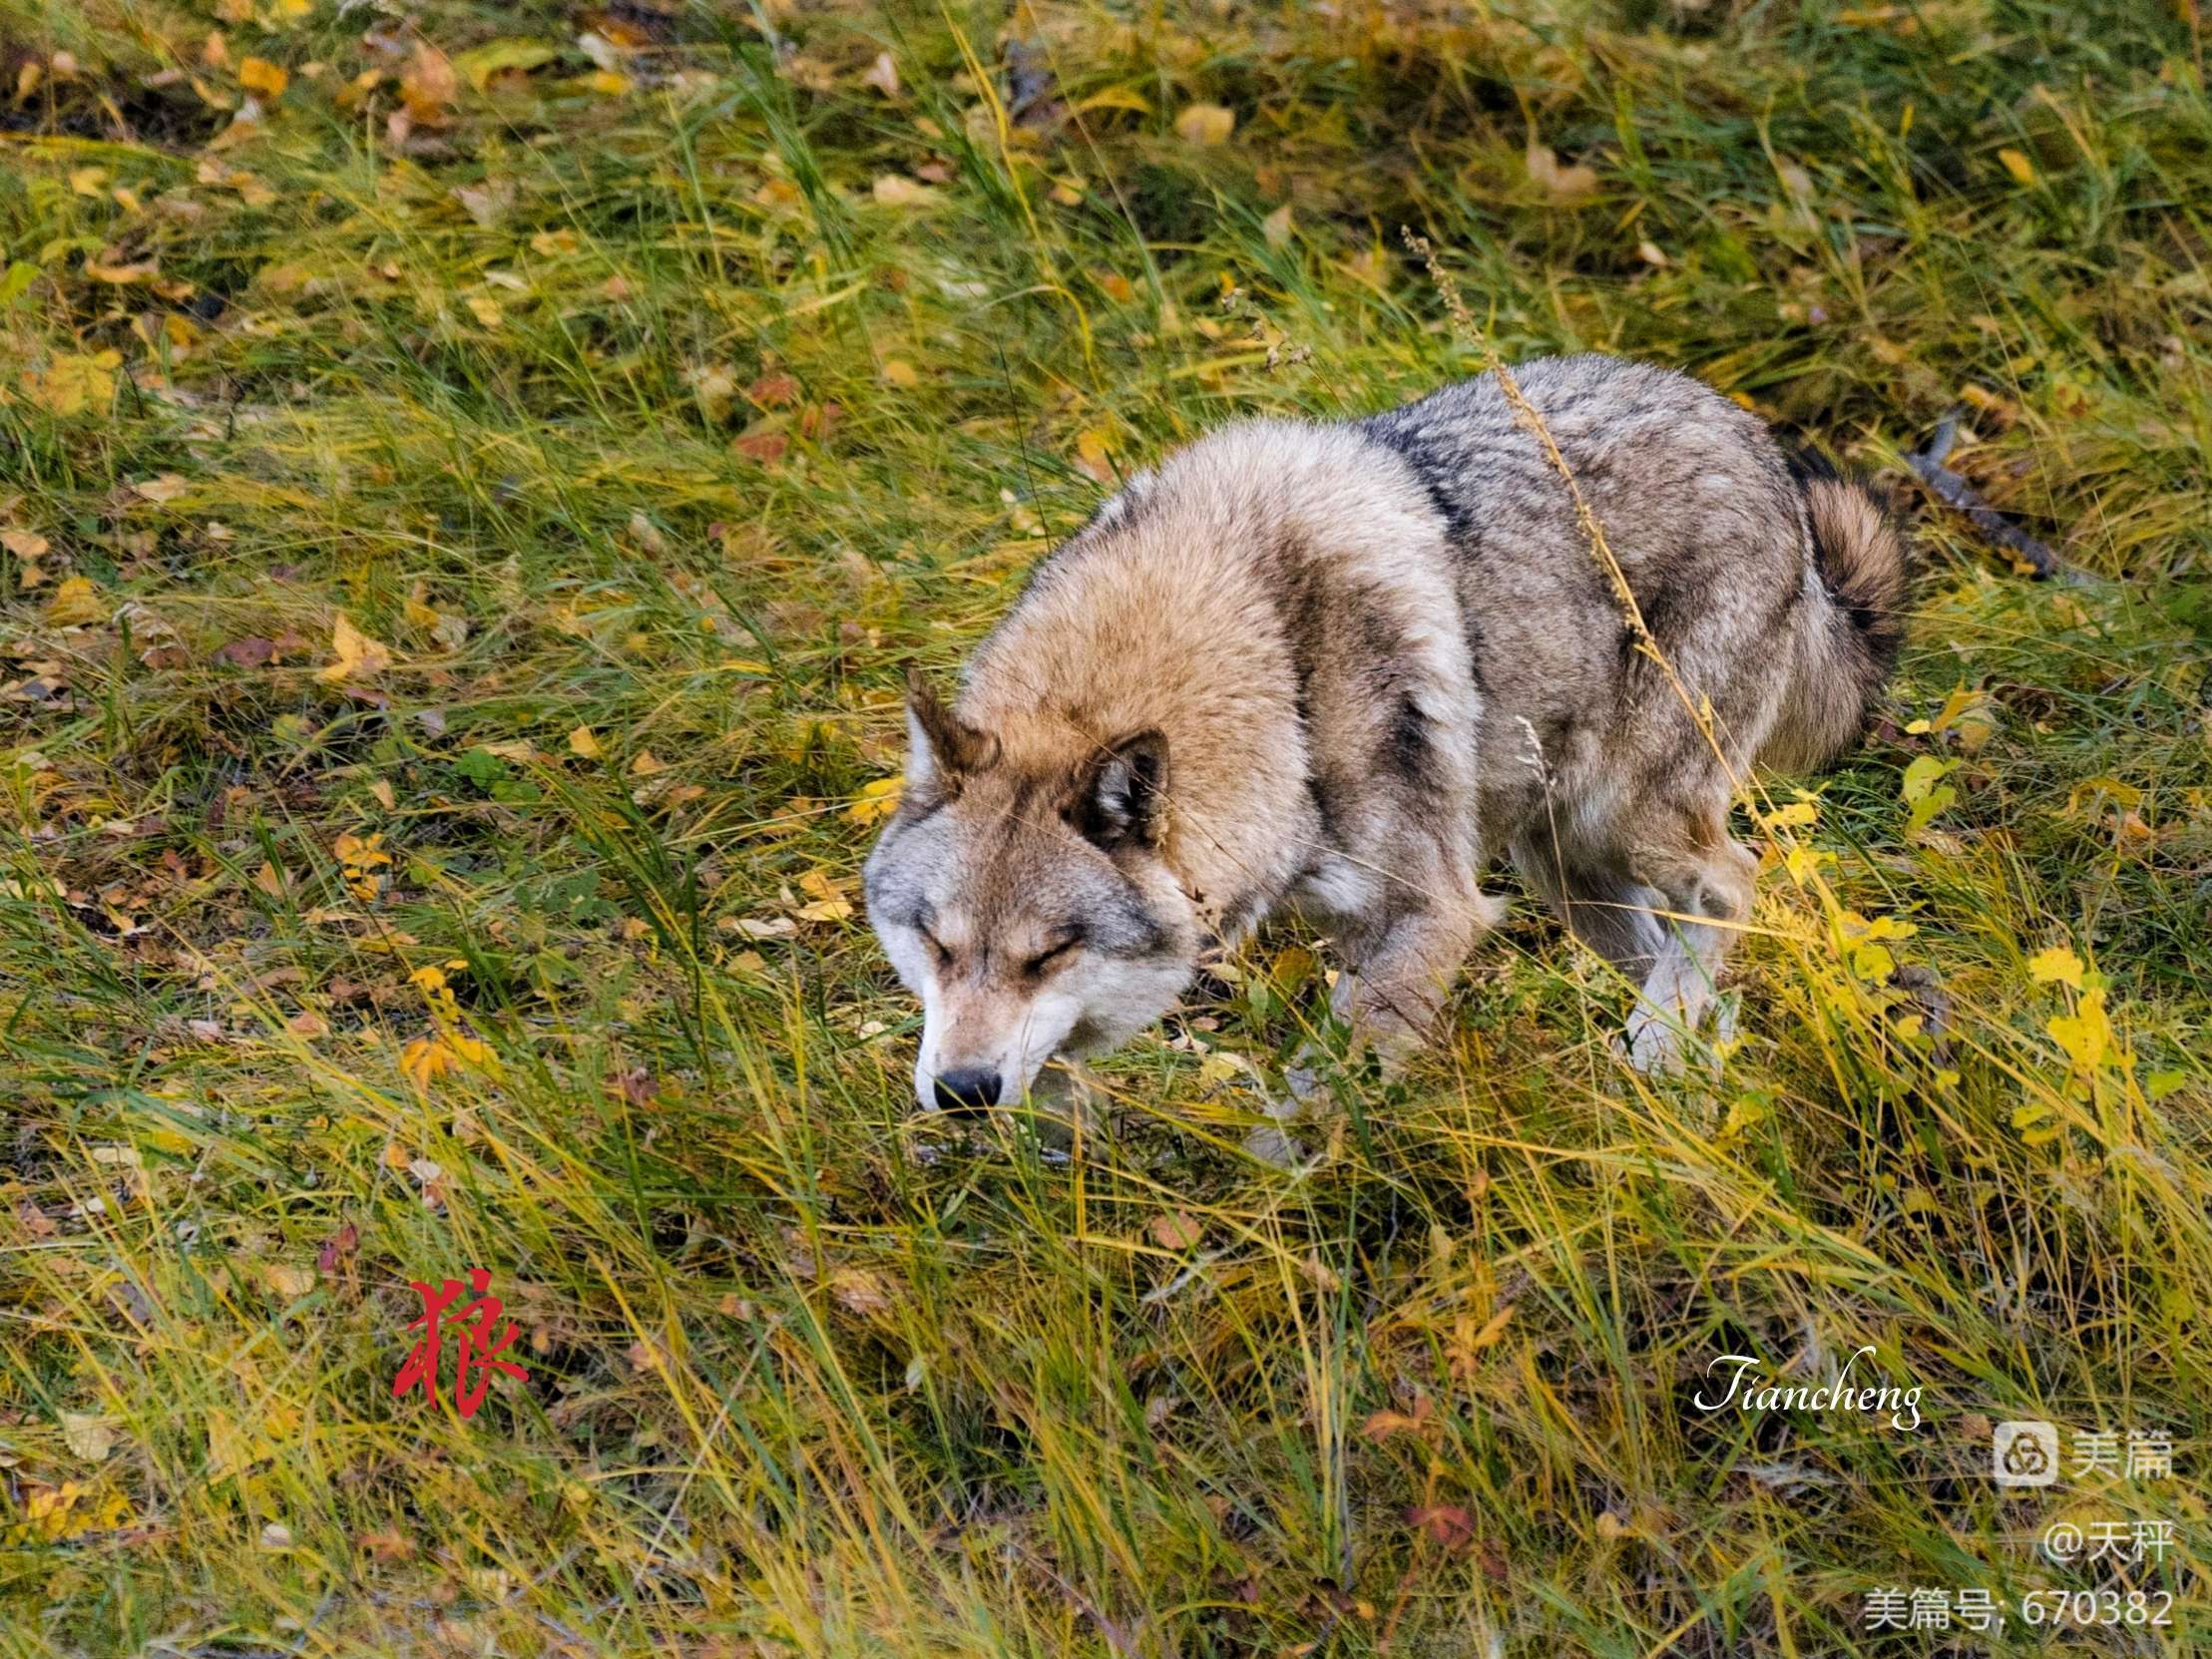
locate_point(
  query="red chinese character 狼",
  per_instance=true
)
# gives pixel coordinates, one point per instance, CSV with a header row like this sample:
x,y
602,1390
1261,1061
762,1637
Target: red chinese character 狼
x,y
479,1351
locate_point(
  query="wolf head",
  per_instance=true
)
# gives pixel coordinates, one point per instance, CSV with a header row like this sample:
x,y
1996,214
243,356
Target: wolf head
x,y
1020,893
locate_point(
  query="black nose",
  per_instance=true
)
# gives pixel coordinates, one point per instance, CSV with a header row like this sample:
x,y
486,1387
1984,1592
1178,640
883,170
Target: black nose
x,y
970,1088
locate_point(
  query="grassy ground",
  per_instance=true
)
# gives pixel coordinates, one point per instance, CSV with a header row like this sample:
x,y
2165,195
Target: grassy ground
x,y
470,492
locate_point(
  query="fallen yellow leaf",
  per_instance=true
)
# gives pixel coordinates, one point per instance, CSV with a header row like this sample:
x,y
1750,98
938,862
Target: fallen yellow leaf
x,y
2086,1034
288,1280
2056,964
1562,184
418,611
894,190
74,382
1090,455
877,801
1116,97
51,1513
76,604
90,1438
507,56
860,1290
262,78
428,86
1490,1332
1205,124
427,1059
357,854
354,656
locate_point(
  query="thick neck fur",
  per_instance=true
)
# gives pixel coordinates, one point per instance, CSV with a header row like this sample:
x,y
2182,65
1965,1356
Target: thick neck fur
x,y
1168,612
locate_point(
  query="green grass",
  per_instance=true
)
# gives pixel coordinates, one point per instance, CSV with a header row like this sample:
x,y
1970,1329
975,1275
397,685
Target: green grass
x,y
638,408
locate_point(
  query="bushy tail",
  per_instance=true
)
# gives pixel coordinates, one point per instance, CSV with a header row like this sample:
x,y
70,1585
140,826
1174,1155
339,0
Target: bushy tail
x,y
1846,645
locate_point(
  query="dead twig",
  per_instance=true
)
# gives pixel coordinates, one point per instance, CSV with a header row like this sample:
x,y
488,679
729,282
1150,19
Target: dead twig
x,y
1964,499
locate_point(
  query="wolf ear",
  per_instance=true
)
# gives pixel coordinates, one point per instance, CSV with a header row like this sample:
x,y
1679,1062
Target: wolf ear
x,y
1123,800
942,748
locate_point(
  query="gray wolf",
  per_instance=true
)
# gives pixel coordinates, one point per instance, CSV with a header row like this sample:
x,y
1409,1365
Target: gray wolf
x,y
1339,669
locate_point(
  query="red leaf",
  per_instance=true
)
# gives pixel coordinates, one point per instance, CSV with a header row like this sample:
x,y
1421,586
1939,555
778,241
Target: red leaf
x,y
253,651
1447,1523
773,391
1383,1424
1177,1230
637,1086
341,1245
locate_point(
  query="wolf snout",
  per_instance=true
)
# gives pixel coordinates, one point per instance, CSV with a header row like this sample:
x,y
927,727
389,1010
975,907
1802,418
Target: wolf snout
x,y
967,1088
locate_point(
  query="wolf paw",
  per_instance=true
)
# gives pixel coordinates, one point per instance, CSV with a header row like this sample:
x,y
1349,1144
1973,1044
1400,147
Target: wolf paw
x,y
1660,1045
1653,1043
1643,1045
1274,1146
1304,1095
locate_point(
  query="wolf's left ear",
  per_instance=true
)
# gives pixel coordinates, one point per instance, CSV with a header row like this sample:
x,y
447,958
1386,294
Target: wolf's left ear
x,y
1124,798
941,747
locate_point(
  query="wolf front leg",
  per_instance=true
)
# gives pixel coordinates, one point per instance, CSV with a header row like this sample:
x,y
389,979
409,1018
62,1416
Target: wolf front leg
x,y
1400,972
1399,968
1390,993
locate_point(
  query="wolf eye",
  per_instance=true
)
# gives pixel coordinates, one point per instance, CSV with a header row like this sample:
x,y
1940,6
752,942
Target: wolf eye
x,y
937,949
1035,966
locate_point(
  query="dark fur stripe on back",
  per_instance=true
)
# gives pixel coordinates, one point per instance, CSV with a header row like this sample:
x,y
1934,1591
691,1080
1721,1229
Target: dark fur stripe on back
x,y
1430,464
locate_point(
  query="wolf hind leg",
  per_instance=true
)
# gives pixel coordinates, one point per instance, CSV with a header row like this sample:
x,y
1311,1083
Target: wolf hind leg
x,y
1601,904
1706,887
